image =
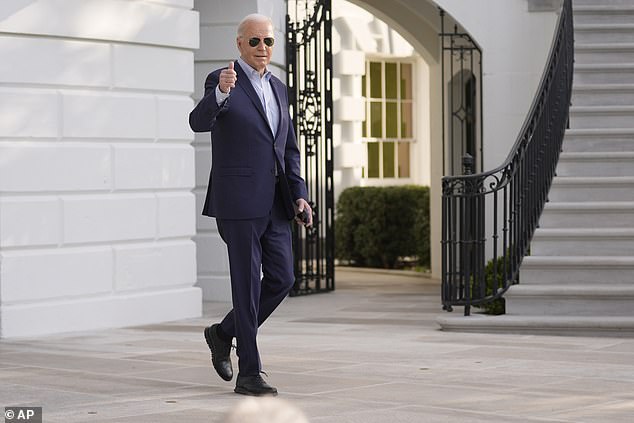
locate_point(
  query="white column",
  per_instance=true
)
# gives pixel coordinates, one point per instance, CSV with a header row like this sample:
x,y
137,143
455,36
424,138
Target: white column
x,y
350,154
349,107
96,164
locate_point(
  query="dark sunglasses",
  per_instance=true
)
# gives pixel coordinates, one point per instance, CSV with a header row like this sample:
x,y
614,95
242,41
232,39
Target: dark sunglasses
x,y
255,41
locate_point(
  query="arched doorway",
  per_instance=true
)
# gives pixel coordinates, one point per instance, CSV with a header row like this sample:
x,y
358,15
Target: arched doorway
x,y
419,23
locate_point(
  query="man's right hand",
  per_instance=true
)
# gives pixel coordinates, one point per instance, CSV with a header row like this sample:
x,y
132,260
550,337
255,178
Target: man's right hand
x,y
228,78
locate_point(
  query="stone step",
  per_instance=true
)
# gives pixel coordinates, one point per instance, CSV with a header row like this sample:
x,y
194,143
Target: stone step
x,y
599,214
600,3
603,95
604,33
597,54
592,189
580,270
570,300
578,279
582,117
603,139
610,326
602,14
583,242
603,54
596,164
602,73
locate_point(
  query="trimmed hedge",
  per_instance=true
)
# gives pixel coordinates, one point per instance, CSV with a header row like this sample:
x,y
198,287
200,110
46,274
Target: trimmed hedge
x,y
379,226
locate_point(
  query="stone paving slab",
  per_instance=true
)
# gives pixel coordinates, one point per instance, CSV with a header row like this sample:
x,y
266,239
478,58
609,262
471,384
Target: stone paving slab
x,y
369,352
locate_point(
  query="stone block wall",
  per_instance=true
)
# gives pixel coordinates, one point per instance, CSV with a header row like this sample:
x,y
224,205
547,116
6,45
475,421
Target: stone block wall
x,y
97,168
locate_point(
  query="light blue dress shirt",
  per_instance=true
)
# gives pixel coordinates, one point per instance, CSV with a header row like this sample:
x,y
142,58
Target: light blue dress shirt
x,y
264,90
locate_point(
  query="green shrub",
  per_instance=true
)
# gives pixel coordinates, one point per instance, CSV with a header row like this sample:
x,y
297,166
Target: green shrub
x,y
493,277
379,226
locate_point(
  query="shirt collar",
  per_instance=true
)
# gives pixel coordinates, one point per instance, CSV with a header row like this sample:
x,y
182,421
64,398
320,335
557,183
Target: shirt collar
x,y
252,73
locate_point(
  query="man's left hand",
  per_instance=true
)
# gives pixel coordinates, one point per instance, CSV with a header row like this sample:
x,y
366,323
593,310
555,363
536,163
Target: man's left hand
x,y
300,206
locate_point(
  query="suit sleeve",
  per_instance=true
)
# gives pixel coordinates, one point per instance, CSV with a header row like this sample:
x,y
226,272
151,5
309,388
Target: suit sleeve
x,y
204,115
296,183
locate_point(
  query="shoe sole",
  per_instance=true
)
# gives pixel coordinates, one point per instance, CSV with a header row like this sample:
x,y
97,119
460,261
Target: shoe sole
x,y
211,348
243,391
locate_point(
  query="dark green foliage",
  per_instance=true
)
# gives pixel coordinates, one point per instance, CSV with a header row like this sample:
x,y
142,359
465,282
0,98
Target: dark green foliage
x,y
493,278
379,226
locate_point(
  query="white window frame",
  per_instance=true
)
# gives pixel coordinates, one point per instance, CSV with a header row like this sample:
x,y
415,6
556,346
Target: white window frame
x,y
368,123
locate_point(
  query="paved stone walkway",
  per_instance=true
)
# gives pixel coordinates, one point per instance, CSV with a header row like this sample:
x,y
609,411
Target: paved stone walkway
x,y
368,352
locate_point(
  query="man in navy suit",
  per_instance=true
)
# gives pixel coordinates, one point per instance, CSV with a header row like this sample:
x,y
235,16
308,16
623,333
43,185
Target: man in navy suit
x,y
255,188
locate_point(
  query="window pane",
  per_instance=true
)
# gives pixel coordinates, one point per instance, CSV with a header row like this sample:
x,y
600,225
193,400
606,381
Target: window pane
x,y
376,119
363,85
403,159
406,81
376,78
364,126
390,80
373,160
388,160
406,120
391,119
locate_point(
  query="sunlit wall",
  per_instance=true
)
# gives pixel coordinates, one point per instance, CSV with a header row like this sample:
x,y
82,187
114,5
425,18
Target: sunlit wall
x,y
96,164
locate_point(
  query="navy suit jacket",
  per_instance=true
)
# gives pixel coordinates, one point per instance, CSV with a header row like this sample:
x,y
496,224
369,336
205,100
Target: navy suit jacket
x,y
244,152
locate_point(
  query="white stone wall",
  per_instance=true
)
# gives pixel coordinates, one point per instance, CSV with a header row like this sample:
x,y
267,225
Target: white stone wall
x,y
96,164
218,23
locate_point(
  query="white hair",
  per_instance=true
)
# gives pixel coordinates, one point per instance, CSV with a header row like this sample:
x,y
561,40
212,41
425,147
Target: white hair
x,y
253,17
265,410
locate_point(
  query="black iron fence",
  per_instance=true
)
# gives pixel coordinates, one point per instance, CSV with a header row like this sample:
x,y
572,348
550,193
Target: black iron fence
x,y
309,76
492,216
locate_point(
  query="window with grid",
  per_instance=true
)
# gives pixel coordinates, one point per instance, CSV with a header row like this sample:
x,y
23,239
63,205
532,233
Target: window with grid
x,y
388,128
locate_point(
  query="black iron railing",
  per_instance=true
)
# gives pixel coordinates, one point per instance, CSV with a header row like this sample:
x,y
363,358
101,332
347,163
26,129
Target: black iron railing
x,y
492,216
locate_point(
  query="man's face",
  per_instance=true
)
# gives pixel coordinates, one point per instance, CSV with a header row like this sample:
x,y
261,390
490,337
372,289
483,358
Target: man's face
x,y
260,55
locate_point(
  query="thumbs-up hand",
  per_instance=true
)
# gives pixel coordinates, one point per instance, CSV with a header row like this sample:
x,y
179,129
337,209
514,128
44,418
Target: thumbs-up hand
x,y
228,78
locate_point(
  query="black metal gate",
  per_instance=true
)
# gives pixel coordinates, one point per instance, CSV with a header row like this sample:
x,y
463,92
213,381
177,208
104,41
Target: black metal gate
x,y
462,99
309,75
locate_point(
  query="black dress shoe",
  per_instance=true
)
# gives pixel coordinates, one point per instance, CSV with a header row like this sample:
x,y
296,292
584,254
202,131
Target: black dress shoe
x,y
253,385
220,353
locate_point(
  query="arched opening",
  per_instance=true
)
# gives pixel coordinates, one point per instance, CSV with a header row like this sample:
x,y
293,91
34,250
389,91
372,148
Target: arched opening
x,y
419,23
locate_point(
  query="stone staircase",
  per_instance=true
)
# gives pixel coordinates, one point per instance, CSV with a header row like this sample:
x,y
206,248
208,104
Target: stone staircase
x,y
579,278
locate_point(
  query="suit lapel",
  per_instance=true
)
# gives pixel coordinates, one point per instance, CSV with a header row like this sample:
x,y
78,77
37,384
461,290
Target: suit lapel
x,y
277,87
279,143
245,83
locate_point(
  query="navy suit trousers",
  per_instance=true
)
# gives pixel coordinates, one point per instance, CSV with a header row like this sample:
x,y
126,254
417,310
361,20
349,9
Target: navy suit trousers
x,y
256,246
